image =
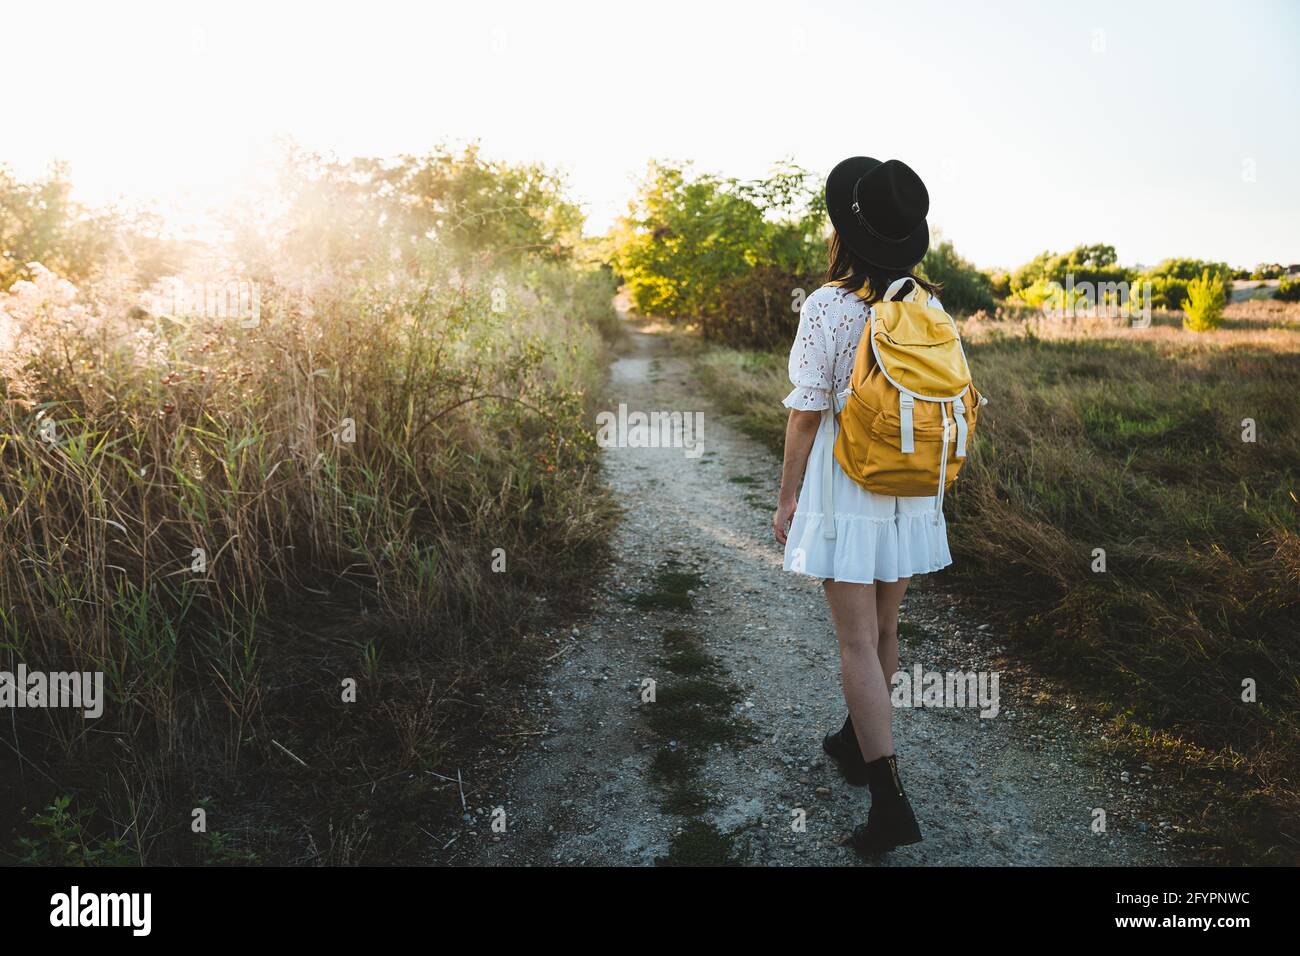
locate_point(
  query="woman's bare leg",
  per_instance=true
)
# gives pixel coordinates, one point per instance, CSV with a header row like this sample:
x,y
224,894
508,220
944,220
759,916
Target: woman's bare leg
x,y
853,608
889,596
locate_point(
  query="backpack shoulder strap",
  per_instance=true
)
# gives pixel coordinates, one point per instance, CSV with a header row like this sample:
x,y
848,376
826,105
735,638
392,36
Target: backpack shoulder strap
x,y
903,288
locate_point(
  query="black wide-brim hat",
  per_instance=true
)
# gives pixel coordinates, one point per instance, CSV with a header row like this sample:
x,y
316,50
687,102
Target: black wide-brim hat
x,y
879,210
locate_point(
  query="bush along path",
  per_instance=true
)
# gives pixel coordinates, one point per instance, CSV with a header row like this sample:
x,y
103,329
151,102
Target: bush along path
x,y
681,722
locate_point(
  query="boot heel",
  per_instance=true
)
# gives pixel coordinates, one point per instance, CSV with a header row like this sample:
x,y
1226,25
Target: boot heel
x,y
891,822
842,747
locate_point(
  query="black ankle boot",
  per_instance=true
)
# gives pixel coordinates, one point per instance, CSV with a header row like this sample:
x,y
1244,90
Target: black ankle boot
x,y
891,822
843,749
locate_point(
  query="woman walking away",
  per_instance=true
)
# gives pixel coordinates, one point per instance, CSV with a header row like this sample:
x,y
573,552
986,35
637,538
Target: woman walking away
x,y
880,418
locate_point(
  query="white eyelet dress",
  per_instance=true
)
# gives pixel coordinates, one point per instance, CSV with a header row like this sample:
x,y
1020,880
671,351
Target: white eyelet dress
x,y
875,537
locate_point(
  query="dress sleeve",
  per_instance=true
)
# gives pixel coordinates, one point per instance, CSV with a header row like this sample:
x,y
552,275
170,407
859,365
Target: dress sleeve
x,y
810,363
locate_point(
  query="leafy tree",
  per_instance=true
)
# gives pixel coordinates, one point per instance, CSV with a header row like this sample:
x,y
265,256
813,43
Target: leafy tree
x,y
686,236
332,215
514,210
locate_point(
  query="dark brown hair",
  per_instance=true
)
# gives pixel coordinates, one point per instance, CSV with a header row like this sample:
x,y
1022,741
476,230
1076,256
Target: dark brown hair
x,y
852,272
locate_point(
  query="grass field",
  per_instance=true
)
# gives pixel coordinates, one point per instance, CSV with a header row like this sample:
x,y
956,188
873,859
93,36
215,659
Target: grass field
x,y
1102,436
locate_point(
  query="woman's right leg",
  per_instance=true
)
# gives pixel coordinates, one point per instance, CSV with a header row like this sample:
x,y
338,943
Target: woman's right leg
x,y
866,690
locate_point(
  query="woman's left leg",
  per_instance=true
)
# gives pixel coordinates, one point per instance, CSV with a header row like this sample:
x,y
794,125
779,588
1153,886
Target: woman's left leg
x,y
889,597
866,691
891,822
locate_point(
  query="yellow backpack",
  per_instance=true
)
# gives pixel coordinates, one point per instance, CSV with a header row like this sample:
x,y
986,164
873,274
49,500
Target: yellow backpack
x,y
906,419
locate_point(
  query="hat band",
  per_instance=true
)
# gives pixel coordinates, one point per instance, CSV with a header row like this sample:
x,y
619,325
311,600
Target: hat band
x,y
857,211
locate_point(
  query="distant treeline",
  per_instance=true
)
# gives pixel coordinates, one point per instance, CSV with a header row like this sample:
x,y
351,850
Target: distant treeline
x,y
731,256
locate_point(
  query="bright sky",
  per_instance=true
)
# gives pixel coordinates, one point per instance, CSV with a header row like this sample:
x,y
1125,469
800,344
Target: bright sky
x,y
1162,128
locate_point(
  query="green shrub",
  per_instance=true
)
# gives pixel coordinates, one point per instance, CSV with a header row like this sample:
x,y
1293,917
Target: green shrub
x,y
758,308
1203,306
1052,295
62,836
1169,280
1288,290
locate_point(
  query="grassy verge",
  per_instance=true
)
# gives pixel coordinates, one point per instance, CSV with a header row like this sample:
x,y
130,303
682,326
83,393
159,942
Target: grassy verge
x,y
305,553
1131,441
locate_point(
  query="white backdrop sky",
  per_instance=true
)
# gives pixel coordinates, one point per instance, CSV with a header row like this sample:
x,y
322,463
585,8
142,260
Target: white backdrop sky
x,y
1167,128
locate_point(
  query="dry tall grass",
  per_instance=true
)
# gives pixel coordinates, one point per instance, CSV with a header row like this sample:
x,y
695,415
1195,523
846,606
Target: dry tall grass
x,y
230,520
1103,436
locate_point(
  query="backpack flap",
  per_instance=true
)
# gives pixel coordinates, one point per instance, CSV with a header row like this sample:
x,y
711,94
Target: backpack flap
x,y
918,350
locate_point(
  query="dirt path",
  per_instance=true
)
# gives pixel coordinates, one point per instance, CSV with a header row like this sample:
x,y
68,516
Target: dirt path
x,y
727,758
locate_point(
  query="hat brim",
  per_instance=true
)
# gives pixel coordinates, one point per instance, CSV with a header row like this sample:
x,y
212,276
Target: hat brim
x,y
876,251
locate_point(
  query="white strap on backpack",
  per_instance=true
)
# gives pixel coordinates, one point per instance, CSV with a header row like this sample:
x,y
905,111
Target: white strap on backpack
x,y
906,433
959,413
894,288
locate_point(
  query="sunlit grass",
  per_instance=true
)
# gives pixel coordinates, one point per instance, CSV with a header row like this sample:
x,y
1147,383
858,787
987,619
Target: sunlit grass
x,y
378,481
1103,436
